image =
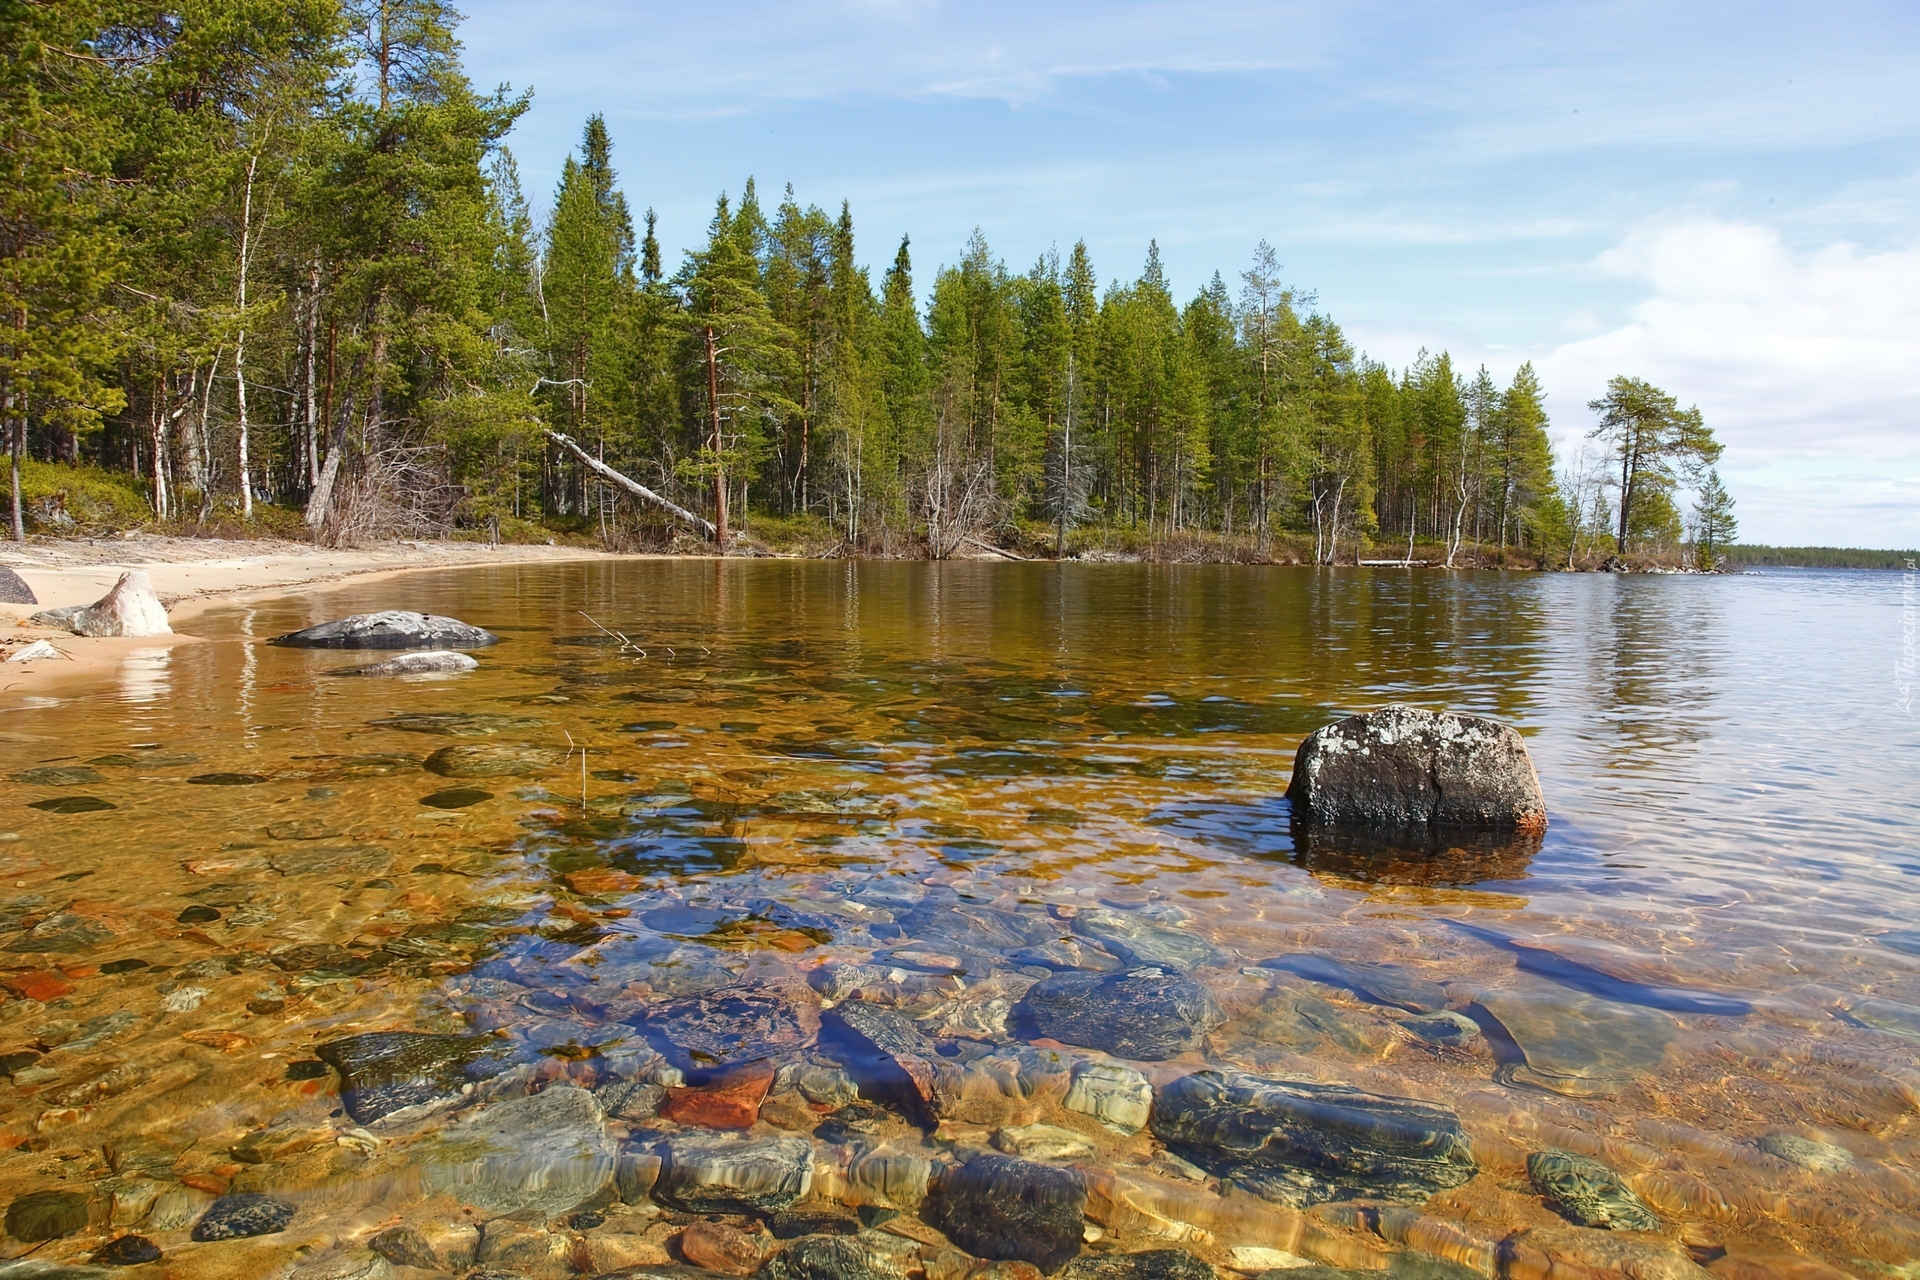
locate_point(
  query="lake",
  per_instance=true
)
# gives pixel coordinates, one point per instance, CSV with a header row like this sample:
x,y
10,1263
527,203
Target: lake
x,y
728,893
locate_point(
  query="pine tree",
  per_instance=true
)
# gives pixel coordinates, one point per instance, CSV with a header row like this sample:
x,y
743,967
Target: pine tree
x,y
1714,523
1649,436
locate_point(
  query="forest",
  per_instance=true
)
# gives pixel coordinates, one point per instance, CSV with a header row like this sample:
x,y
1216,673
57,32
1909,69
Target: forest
x,y
269,267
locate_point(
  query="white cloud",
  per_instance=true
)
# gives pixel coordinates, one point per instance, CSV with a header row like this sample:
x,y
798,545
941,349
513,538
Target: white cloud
x,y
1806,364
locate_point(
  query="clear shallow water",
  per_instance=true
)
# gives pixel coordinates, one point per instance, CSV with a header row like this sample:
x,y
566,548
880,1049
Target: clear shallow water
x,y
920,786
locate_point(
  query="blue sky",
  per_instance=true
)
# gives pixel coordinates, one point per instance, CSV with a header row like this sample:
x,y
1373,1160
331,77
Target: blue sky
x,y
1723,198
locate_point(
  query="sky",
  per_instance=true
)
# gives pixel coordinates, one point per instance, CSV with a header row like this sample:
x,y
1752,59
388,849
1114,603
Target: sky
x,y
1721,198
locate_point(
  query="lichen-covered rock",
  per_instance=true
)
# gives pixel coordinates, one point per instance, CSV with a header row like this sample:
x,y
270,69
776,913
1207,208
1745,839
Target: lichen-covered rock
x,y
389,629
1586,1192
1300,1143
414,664
383,1072
406,1246
1147,1014
720,1173
1009,1209
543,1154
1404,768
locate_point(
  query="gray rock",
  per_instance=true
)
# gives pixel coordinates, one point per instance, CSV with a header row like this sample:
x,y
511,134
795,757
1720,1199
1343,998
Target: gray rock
x,y
14,588
414,664
1142,942
1578,1046
631,1099
1148,1014
384,1072
389,629
236,1217
46,1215
831,1257
1008,1209
543,1154
722,1173
1816,1157
745,1022
1385,984
1152,1264
1116,1095
60,619
495,760
69,775
1401,767
1301,1143
1587,1193
406,1246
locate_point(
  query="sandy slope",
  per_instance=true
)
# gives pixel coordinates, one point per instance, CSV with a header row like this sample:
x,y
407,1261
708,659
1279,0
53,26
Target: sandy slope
x,y
189,574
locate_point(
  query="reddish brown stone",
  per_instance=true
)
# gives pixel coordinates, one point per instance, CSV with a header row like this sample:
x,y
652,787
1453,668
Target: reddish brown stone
x,y
38,984
730,1103
713,1246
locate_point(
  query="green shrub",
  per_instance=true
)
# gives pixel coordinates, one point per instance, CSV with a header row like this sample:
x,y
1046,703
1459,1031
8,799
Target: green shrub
x,y
60,499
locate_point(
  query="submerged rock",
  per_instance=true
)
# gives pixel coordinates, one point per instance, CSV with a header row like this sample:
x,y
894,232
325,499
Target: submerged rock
x,y
46,1215
127,1251
1116,1095
389,629
1401,767
1147,1014
1008,1086
1143,942
1444,1028
1575,1045
71,775
1009,1209
1152,1264
1586,1192
889,1058
236,1217
721,1173
405,1246
831,1257
1386,984
495,760
543,1154
1816,1157
733,1024
414,664
383,1072
1042,1142
1301,1143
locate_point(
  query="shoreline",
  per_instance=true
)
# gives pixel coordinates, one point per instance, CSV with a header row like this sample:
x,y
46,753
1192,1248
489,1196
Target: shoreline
x,y
192,575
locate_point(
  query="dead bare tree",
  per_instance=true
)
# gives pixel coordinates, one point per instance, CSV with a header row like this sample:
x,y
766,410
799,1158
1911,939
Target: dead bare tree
x,y
958,501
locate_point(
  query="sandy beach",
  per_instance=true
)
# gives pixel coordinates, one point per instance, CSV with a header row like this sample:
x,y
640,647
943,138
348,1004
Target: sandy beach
x,y
189,574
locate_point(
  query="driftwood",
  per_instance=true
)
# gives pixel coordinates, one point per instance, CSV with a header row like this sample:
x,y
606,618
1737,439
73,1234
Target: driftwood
x,y
634,487
989,547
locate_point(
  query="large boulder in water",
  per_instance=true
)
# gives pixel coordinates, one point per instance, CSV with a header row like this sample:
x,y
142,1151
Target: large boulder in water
x,y
390,629
1402,768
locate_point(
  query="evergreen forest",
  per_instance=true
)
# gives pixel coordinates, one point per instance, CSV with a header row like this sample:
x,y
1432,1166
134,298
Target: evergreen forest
x,y
270,267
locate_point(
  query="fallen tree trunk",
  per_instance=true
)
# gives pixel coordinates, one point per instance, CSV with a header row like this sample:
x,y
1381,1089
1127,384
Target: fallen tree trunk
x,y
634,487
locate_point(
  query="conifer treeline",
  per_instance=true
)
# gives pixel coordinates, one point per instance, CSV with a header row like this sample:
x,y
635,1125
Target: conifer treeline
x,y
270,255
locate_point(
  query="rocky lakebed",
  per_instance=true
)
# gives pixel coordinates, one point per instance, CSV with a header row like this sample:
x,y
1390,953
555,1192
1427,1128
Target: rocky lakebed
x,y
874,971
